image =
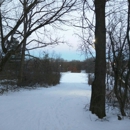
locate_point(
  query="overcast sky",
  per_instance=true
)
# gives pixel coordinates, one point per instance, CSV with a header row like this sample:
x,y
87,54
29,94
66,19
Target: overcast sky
x,y
68,51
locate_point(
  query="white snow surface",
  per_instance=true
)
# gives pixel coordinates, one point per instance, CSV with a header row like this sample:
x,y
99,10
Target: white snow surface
x,y
55,108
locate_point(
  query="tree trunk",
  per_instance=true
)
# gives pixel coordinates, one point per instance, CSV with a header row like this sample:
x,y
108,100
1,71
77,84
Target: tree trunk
x,y
118,93
20,78
97,104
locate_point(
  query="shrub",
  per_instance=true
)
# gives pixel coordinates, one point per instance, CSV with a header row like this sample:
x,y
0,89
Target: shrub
x,y
41,72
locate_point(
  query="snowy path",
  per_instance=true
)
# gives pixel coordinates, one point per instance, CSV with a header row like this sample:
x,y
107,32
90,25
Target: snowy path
x,y
55,108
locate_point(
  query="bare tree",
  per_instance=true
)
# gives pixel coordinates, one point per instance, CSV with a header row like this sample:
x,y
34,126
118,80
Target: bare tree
x,y
119,51
36,18
86,24
97,105
94,36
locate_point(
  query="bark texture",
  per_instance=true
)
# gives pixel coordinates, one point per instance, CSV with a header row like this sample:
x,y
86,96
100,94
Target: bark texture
x,y
97,105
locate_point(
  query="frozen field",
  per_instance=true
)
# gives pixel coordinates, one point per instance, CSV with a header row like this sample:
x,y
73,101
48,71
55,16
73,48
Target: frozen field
x,y
55,108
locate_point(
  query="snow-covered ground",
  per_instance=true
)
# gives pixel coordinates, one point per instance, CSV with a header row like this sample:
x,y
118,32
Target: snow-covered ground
x,y
55,108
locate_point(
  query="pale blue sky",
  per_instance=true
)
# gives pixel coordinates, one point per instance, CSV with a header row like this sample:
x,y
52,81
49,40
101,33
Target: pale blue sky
x,y
68,50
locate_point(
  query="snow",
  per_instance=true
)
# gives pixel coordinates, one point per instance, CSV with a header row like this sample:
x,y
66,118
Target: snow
x,y
56,108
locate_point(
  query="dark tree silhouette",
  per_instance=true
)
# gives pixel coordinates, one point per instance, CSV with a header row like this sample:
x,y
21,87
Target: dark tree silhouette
x,y
97,105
